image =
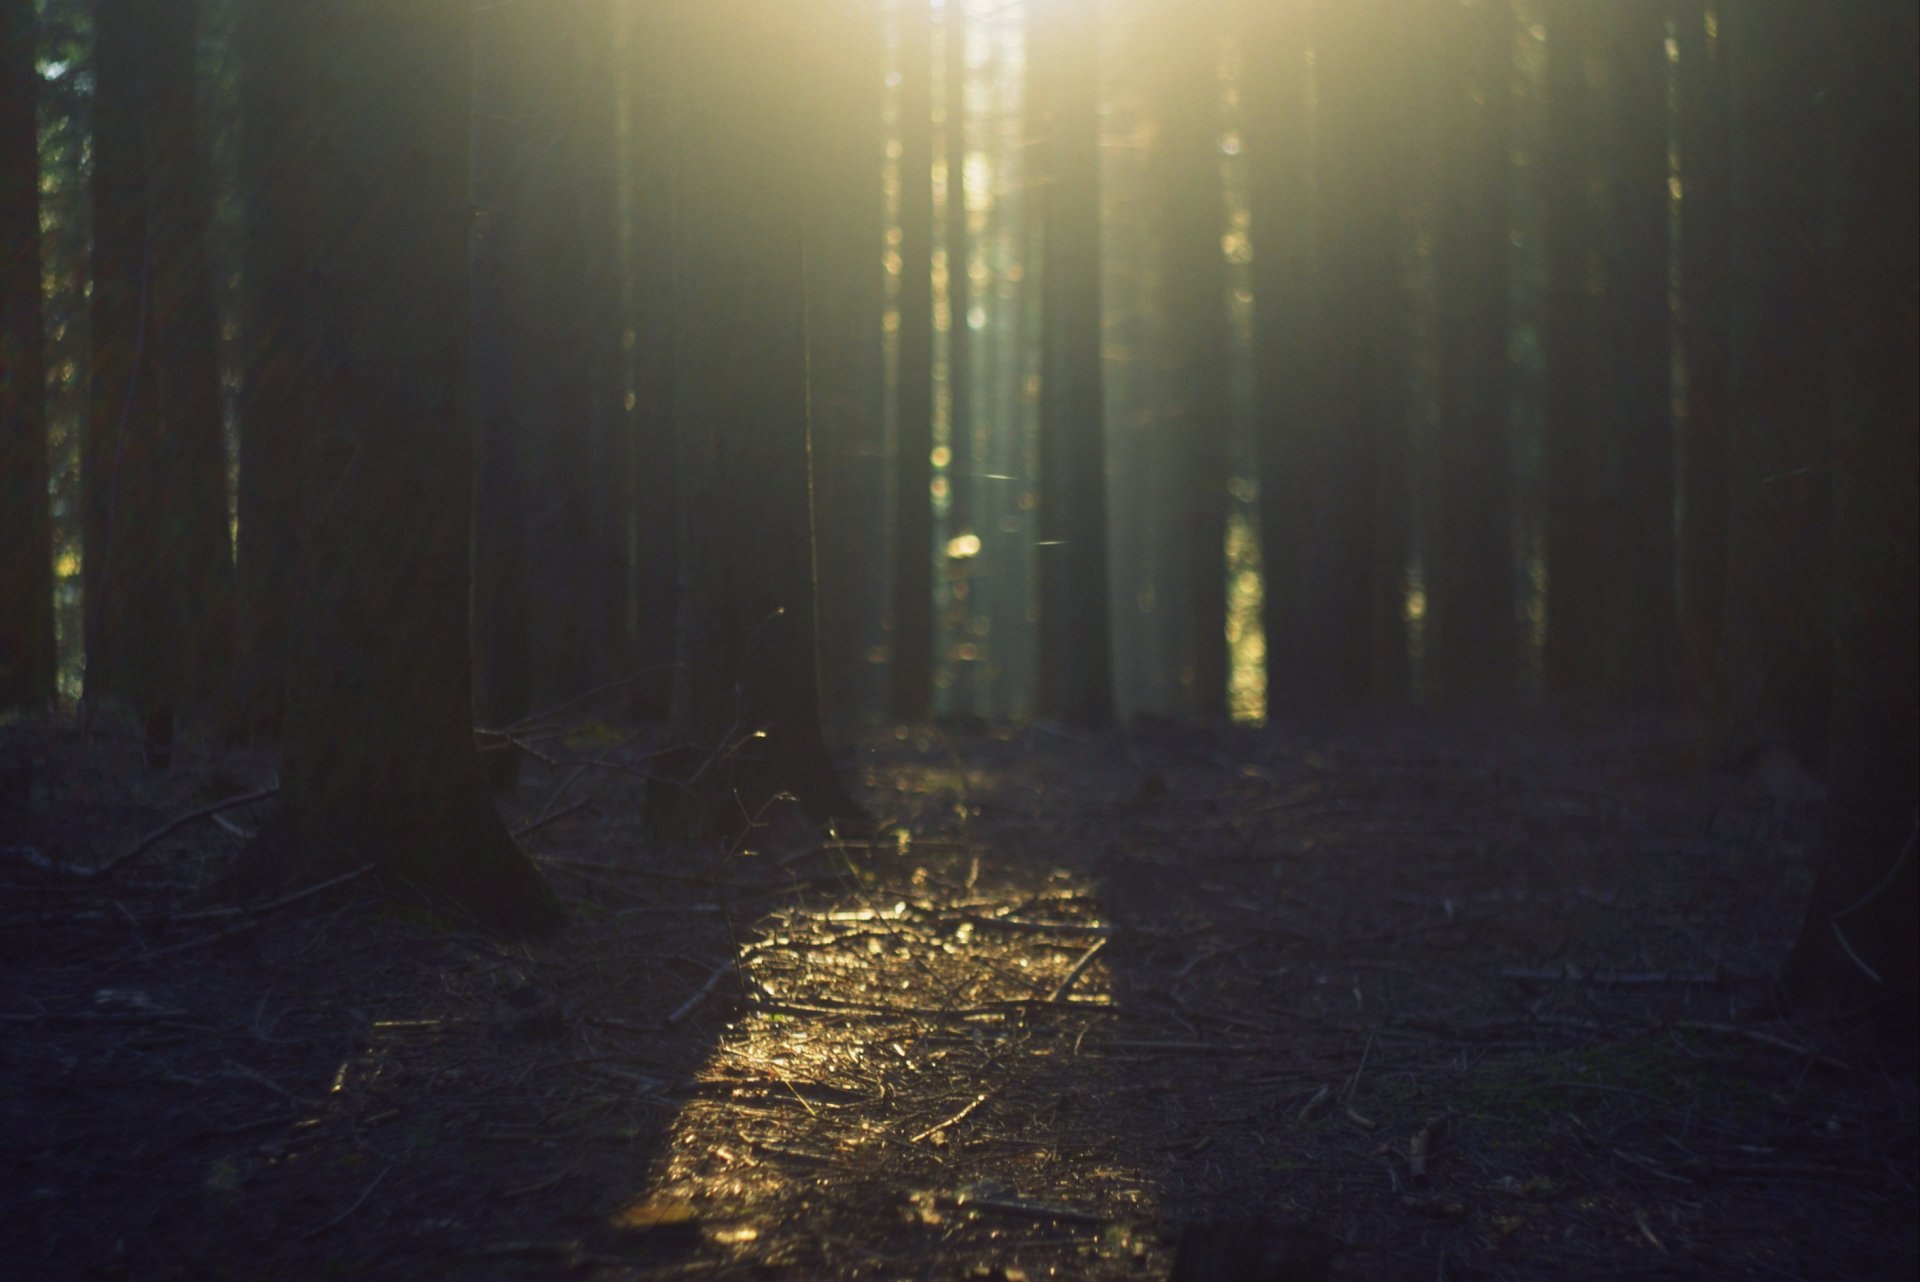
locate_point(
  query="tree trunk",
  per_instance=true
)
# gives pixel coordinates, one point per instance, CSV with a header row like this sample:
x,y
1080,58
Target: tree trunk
x,y
1776,682
1194,322
572,383
159,567
1575,647
1280,196
379,763
963,464
1866,895
748,659
1468,548
1704,231
650,307
504,255
1351,573
1074,682
913,630
1642,583
27,658
845,361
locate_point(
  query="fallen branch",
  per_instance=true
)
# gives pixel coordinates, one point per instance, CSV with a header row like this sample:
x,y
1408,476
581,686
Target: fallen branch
x,y
1079,968
166,830
961,1116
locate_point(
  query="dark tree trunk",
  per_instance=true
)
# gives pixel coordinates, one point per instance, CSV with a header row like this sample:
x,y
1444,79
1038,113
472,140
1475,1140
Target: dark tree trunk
x,y
1194,321
963,464
596,122
1468,547
1279,153
1642,582
748,659
846,374
1351,573
1704,232
1009,543
1575,648
1866,894
1074,682
379,762
575,501
275,383
1777,675
27,658
912,647
656,503
159,562
504,256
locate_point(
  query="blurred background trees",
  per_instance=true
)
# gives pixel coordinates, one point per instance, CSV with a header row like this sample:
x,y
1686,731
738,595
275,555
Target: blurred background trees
x,y
1060,359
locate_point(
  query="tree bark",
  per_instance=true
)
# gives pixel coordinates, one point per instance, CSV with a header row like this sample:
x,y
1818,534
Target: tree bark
x,y
1642,588
1074,681
27,656
913,609
846,374
1705,229
1776,679
379,763
963,464
1865,906
748,655
1467,554
1352,573
1279,155
274,378
1575,646
159,560
1194,323
650,308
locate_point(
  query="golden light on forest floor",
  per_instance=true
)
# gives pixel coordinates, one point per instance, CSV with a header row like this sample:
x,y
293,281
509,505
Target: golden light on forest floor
x,y
912,1037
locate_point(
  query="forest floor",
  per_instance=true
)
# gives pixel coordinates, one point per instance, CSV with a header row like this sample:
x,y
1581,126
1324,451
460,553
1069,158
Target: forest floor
x,y
1469,1002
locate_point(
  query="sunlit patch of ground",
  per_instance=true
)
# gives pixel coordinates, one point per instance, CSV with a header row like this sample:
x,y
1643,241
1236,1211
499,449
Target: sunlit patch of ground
x,y
906,1050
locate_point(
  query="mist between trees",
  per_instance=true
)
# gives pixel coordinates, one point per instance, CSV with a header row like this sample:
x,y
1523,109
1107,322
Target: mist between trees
x,y
858,362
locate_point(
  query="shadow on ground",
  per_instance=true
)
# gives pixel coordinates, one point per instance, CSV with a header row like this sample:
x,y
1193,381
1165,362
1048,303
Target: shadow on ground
x,y
1476,1003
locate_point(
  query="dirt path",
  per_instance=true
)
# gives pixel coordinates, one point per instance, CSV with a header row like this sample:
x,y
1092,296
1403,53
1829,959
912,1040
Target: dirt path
x,y
1480,1003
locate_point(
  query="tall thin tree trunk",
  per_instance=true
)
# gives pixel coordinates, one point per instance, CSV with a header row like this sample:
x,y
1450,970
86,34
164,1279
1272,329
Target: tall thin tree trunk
x,y
502,255
1642,588
27,658
1468,548
1075,677
1776,684
1866,893
962,465
1280,156
1194,321
379,763
913,619
650,307
846,375
748,657
275,381
1705,229
1576,630
1351,572
158,567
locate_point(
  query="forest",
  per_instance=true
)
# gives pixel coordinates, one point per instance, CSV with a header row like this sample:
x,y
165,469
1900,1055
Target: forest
x,y
1242,640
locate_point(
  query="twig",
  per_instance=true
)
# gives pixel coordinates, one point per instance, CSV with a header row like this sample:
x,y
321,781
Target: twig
x,y
961,1116
705,990
1079,968
535,826
258,919
166,830
341,1218
1765,1039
